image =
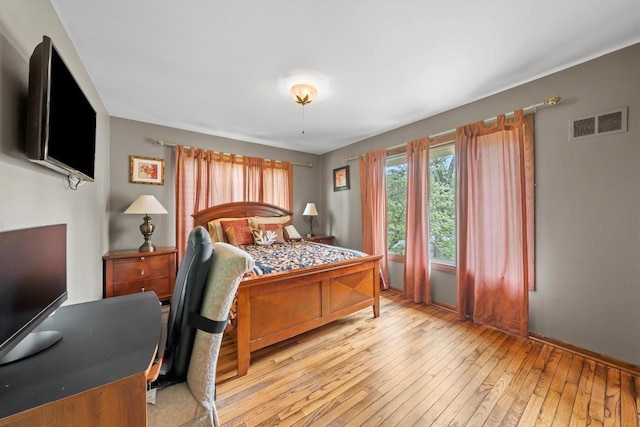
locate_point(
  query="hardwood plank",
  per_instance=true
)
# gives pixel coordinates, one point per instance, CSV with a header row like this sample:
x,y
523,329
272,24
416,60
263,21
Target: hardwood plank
x,y
418,365
636,381
612,398
463,392
471,405
526,390
502,406
598,394
491,399
580,413
412,378
569,391
404,377
415,400
331,412
530,413
552,399
628,410
455,384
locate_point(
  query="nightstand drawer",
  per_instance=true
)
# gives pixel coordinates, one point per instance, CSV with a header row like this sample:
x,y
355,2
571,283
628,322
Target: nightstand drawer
x,y
159,286
126,270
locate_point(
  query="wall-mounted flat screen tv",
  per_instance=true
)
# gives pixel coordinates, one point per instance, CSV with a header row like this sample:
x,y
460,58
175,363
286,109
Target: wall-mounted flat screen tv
x,y
61,123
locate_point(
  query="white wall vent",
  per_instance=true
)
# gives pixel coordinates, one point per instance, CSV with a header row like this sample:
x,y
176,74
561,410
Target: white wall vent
x,y
604,123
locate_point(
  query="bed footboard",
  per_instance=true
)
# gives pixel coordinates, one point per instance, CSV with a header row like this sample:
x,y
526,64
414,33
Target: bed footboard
x,y
276,307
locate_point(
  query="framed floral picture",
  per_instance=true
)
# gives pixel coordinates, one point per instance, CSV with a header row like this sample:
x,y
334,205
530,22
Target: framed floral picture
x,y
341,179
146,170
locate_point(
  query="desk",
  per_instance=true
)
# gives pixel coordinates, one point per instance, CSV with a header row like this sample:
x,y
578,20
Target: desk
x,y
96,375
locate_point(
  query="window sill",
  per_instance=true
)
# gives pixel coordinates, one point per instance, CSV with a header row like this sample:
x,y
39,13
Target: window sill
x,y
395,257
445,268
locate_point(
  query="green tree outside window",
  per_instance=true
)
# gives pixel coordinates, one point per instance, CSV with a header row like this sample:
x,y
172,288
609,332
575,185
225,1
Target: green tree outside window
x,y
442,204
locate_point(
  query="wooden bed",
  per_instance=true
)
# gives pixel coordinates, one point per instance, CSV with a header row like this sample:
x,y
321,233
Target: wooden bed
x,y
277,306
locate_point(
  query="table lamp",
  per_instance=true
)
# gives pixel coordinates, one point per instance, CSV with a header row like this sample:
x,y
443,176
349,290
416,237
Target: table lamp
x,y
146,205
310,211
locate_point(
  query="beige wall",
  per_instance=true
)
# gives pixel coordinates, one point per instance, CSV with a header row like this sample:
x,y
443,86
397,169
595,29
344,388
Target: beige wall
x,y
130,137
587,202
32,195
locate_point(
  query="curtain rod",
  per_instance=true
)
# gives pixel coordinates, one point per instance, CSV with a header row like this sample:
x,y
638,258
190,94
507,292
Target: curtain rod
x,y
170,144
531,108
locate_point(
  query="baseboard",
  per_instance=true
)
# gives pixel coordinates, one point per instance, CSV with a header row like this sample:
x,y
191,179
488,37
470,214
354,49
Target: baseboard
x,y
445,306
607,360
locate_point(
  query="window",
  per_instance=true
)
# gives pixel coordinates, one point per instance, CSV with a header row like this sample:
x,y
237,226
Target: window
x,y
396,203
442,205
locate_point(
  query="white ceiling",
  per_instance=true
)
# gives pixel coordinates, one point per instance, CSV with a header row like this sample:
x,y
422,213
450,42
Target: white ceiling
x,y
222,67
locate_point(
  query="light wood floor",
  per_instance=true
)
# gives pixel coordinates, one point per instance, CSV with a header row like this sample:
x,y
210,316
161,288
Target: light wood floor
x,y
416,365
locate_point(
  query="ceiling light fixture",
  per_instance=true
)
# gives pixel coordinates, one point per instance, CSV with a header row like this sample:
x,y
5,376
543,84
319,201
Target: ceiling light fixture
x,y
303,94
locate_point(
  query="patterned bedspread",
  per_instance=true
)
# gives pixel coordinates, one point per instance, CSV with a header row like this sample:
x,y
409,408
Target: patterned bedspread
x,y
293,255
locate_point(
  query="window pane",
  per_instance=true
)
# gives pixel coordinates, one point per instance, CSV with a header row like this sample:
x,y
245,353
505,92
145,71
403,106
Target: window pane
x,y
396,203
442,205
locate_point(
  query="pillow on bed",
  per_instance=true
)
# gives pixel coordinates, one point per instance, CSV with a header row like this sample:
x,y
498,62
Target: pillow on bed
x,y
226,223
211,226
215,229
257,220
239,234
264,237
276,228
290,233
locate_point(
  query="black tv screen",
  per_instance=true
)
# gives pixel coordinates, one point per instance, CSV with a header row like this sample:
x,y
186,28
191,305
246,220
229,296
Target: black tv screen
x,y
33,280
61,123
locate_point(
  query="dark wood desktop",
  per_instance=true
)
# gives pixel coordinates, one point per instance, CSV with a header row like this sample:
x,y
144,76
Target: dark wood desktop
x,y
96,375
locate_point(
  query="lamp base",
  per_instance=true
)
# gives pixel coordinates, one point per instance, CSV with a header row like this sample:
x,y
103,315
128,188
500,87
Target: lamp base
x,y
146,228
147,247
310,233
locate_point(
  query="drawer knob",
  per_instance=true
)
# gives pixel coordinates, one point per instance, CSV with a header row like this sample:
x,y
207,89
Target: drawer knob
x,y
142,272
142,290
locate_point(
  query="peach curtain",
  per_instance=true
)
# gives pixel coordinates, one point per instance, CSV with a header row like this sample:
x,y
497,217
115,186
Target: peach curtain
x,y
530,206
373,196
416,260
203,178
254,167
206,178
226,181
493,224
277,180
269,181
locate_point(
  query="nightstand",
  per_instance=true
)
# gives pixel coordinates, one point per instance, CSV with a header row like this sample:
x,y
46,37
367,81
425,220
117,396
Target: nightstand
x,y
129,271
320,238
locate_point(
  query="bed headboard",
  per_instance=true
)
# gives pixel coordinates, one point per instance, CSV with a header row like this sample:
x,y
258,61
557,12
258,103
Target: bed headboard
x,y
238,210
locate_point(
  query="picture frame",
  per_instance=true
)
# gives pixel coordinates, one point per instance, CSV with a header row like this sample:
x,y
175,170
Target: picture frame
x,y
341,180
146,170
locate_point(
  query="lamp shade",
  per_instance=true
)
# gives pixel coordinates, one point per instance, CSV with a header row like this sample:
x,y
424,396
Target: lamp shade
x,y
310,210
146,205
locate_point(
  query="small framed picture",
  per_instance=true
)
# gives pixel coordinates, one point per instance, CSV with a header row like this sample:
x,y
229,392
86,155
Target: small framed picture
x,y
146,170
341,179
